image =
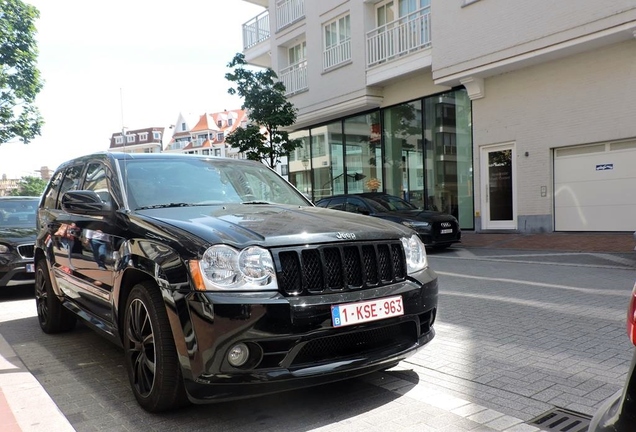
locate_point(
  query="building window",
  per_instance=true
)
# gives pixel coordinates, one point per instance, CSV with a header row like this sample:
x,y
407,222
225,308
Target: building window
x,y
230,121
130,138
217,152
219,136
337,42
119,139
419,150
183,126
156,135
294,76
219,123
143,136
284,170
297,53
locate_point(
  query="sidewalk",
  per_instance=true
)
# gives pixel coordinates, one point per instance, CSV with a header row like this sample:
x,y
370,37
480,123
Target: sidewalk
x,y
561,241
24,404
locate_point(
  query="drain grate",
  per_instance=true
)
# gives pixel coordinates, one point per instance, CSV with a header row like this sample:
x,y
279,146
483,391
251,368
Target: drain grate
x,y
560,420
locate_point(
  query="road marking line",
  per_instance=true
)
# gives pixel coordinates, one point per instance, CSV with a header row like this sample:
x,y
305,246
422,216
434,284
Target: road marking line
x,y
594,291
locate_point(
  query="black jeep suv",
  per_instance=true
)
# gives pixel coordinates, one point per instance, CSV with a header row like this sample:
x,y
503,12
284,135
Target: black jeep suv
x,y
221,281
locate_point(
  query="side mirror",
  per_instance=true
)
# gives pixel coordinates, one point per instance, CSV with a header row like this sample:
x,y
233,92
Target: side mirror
x,y
85,202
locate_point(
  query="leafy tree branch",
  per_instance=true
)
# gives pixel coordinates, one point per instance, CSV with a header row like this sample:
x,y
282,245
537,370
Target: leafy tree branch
x,y
267,107
19,77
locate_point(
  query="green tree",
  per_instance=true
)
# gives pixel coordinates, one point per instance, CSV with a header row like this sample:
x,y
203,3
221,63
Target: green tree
x,y
29,186
19,77
269,110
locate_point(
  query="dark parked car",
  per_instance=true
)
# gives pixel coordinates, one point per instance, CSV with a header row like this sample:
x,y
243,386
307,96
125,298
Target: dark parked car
x,y
17,239
436,229
618,413
220,280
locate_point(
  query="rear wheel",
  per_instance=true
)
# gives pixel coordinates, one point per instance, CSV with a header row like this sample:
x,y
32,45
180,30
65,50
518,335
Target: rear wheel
x,y
52,316
151,357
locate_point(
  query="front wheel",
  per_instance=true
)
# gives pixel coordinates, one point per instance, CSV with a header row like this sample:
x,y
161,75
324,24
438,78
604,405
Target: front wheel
x,y
52,316
151,357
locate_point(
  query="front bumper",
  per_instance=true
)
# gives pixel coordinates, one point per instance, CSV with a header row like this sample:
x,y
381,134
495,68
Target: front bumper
x,y
432,239
14,273
292,340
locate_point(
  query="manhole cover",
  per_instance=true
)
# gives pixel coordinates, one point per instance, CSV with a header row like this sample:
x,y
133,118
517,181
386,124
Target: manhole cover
x,y
560,420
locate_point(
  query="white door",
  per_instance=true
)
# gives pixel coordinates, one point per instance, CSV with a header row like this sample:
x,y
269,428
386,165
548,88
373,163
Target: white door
x,y
498,187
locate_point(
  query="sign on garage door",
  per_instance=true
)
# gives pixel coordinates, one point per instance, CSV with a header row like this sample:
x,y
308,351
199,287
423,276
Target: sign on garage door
x,y
595,187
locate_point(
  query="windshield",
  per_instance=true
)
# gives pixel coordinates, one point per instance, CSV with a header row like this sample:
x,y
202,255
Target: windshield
x,y
200,181
392,203
18,212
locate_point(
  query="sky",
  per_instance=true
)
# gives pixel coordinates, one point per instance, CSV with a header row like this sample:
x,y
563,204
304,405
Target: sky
x,y
125,63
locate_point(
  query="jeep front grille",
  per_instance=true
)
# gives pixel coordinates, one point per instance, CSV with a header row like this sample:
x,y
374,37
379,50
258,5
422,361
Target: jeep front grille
x,y
341,267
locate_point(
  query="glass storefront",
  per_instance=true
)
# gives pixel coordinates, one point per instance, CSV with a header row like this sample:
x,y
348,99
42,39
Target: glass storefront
x,y
420,150
404,161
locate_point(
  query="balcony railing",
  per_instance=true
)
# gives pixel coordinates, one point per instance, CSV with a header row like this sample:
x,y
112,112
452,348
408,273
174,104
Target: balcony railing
x,y
294,78
288,11
336,55
397,38
256,30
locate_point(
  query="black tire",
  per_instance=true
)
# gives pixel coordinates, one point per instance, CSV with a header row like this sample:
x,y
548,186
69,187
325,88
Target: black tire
x,y
52,316
150,354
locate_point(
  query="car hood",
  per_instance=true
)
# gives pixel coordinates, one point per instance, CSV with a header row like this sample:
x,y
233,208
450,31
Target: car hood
x,y
275,225
18,235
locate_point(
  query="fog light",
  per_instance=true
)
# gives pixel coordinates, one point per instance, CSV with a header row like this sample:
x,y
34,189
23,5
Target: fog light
x,y
238,355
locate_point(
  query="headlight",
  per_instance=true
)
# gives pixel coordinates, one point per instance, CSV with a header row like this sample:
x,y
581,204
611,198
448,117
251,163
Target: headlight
x,y
225,268
415,253
4,249
416,224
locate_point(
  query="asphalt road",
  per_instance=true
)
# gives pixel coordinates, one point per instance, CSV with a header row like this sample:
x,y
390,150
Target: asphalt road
x,y
518,333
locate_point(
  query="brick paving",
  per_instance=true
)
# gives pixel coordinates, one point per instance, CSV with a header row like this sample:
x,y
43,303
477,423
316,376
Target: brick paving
x,y
575,242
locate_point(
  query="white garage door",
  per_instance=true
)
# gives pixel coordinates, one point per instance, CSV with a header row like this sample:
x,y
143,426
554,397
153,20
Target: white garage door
x,y
595,187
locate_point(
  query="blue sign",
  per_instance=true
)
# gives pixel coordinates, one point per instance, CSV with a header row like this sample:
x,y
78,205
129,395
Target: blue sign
x,y
604,167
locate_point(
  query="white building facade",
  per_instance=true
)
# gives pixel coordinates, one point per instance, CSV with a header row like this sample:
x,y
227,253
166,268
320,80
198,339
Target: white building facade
x,y
512,116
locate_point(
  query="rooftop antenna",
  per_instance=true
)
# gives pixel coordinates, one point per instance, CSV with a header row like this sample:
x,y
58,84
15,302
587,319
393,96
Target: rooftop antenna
x,y
123,135
121,108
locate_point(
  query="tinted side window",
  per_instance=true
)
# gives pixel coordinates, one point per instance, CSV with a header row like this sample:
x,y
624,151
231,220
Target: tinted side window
x,y
337,203
50,195
356,205
71,181
97,181
323,203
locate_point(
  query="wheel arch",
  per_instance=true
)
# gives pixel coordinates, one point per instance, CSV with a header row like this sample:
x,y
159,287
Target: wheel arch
x,y
166,279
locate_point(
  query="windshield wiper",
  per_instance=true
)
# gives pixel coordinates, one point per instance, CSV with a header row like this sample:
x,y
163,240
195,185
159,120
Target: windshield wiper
x,y
158,206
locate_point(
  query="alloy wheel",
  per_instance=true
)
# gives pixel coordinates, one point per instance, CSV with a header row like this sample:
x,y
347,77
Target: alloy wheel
x,y
140,346
41,296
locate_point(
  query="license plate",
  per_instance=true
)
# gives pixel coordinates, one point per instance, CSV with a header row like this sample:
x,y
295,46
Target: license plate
x,y
447,231
30,268
372,310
